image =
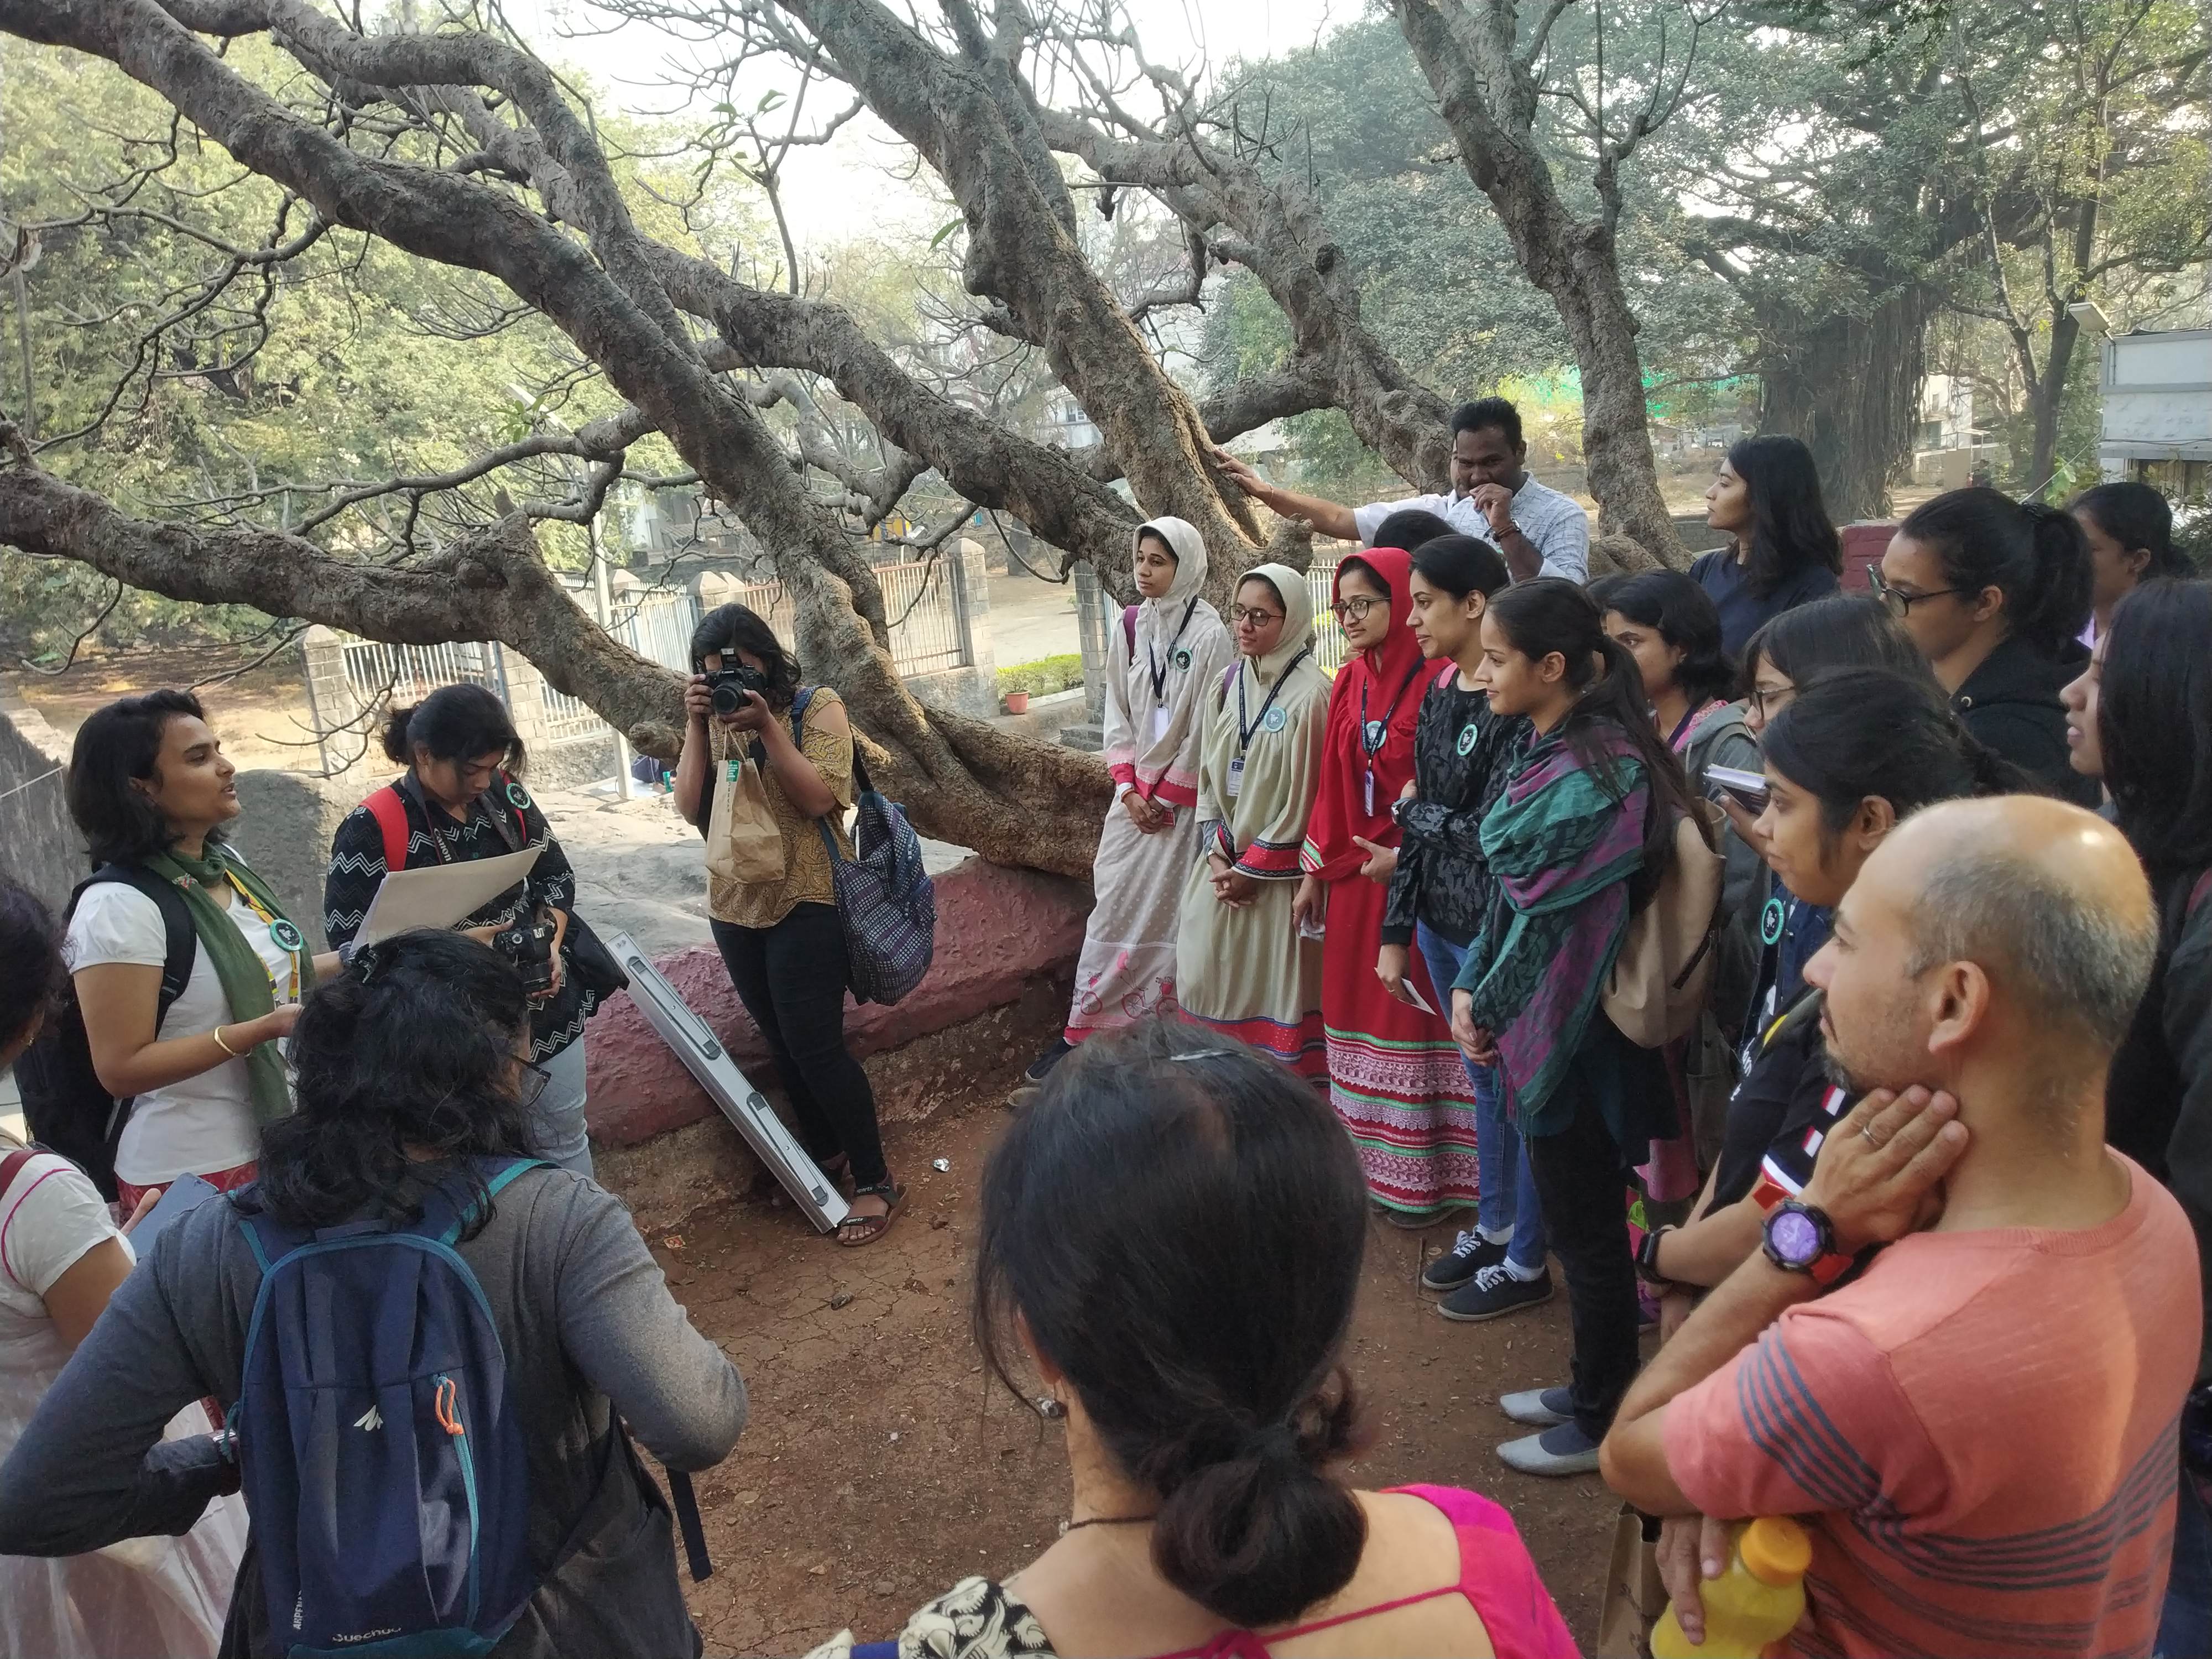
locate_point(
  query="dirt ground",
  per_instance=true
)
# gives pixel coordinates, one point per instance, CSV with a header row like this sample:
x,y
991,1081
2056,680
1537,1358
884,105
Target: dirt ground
x,y
880,1466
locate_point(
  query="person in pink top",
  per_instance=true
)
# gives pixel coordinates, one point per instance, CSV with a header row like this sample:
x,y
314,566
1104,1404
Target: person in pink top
x,y
1162,1173
1977,1424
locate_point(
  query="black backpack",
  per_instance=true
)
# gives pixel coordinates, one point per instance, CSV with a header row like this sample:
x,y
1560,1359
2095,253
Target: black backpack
x,y
66,1109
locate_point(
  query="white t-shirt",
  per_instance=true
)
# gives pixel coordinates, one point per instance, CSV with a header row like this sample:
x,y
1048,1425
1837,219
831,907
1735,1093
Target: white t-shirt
x,y
1556,524
50,1216
205,1123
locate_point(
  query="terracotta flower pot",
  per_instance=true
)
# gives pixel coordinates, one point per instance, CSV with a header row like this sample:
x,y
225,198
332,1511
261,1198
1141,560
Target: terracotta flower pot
x,y
1018,702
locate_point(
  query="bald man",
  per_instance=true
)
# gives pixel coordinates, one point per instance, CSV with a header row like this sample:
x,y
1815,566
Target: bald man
x,y
1978,1427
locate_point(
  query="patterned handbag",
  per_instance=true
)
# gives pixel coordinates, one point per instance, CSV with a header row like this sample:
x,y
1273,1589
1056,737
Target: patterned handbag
x,y
884,897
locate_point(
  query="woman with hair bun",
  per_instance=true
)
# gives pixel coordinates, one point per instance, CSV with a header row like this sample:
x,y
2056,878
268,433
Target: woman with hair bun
x,y
459,798
1996,594
1126,1215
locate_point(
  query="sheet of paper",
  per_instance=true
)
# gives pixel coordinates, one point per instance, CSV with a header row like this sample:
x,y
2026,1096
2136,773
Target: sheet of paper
x,y
439,895
1414,995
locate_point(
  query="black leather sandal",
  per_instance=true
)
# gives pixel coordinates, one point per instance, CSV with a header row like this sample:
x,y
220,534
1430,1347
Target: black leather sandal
x,y
855,1230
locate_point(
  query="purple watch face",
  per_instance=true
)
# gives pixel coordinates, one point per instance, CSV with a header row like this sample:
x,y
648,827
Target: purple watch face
x,y
1795,1237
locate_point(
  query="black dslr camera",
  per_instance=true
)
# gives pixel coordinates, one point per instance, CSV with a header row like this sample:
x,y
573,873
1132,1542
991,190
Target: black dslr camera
x,y
726,687
527,942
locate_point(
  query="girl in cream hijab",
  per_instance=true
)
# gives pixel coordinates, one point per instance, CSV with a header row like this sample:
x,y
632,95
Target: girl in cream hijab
x,y
1162,663
1247,970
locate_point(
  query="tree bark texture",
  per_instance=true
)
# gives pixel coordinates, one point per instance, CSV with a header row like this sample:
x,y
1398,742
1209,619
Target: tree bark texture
x,y
1466,52
1849,387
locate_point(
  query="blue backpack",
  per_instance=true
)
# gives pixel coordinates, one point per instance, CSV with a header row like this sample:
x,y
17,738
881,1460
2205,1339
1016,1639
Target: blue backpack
x,y
383,1462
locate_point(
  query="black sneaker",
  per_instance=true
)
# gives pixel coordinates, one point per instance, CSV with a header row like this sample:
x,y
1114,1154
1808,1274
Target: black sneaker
x,y
1032,1082
1494,1292
1469,1254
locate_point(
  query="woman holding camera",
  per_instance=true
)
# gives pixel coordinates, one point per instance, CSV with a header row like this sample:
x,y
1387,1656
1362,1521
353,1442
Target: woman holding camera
x,y
784,773
458,800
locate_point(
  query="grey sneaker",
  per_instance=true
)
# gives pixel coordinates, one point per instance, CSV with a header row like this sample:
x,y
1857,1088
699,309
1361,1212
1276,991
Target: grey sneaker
x,y
1492,1293
1540,1408
1561,1449
1469,1254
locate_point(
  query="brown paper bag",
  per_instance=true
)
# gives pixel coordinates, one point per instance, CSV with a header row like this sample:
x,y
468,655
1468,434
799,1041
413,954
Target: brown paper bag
x,y
1634,1596
743,842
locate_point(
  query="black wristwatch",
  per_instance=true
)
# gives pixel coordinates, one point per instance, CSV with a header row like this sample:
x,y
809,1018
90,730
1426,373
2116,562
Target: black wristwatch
x,y
1647,1259
1801,1239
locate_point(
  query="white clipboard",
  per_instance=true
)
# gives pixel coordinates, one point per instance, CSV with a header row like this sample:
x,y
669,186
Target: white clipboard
x,y
439,895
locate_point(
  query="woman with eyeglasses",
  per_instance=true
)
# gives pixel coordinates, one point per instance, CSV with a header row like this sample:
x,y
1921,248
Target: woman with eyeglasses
x,y
1165,657
459,799
1995,593
1245,969
1394,1075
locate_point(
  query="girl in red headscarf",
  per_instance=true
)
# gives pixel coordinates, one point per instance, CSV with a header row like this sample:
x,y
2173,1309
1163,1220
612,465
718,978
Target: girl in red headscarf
x,y
1394,1075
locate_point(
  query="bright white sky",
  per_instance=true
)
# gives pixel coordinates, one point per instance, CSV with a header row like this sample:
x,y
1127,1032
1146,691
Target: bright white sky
x,y
847,189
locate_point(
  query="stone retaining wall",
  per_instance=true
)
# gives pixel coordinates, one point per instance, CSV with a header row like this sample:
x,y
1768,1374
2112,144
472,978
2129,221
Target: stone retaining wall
x,y
996,993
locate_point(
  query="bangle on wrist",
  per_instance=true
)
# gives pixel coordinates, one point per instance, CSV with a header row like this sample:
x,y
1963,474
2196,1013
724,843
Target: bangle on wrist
x,y
235,1054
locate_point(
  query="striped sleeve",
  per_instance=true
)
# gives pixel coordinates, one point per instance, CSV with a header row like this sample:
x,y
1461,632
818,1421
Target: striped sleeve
x,y
1809,1420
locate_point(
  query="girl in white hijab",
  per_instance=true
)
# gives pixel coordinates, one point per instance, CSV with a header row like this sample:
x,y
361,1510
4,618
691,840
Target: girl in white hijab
x,y
1162,659
1247,970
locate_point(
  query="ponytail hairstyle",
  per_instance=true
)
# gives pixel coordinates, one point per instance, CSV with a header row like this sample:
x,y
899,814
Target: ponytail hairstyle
x,y
454,723
412,1050
2035,556
1862,732
2140,520
2154,724
1790,529
30,964
1683,612
1550,613
1461,565
1845,631
1126,1215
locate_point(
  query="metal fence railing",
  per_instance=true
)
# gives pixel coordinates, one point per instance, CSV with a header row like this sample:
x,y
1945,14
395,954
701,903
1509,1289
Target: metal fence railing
x,y
409,673
923,601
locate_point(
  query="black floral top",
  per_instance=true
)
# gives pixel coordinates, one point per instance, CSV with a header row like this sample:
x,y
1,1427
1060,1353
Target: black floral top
x,y
1464,756
976,1618
357,870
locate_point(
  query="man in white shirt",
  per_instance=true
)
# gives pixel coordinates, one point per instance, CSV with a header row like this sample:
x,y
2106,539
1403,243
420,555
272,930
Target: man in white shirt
x,y
1540,531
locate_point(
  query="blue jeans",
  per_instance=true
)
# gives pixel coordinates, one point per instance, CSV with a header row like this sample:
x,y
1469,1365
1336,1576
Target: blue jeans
x,y
2184,1624
1509,1187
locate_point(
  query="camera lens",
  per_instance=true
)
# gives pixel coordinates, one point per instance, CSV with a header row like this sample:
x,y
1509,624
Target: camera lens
x,y
727,699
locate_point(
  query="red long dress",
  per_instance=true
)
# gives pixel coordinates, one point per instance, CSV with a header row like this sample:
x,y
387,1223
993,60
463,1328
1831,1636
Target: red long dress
x,y
1394,1075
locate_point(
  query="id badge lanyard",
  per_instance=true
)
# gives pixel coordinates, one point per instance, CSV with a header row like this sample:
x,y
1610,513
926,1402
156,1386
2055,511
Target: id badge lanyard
x,y
1373,733
1269,716
1159,671
288,937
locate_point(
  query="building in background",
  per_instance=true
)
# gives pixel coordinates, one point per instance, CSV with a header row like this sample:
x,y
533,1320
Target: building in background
x,y
2157,426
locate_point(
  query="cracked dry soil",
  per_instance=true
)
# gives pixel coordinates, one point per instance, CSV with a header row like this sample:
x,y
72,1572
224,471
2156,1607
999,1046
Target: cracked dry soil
x,y
878,1469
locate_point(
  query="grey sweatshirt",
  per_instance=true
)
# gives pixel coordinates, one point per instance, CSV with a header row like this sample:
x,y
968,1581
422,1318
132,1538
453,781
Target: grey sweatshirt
x,y
591,1332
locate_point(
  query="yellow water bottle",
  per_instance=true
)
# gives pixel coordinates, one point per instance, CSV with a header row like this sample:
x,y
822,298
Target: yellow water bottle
x,y
1758,1600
